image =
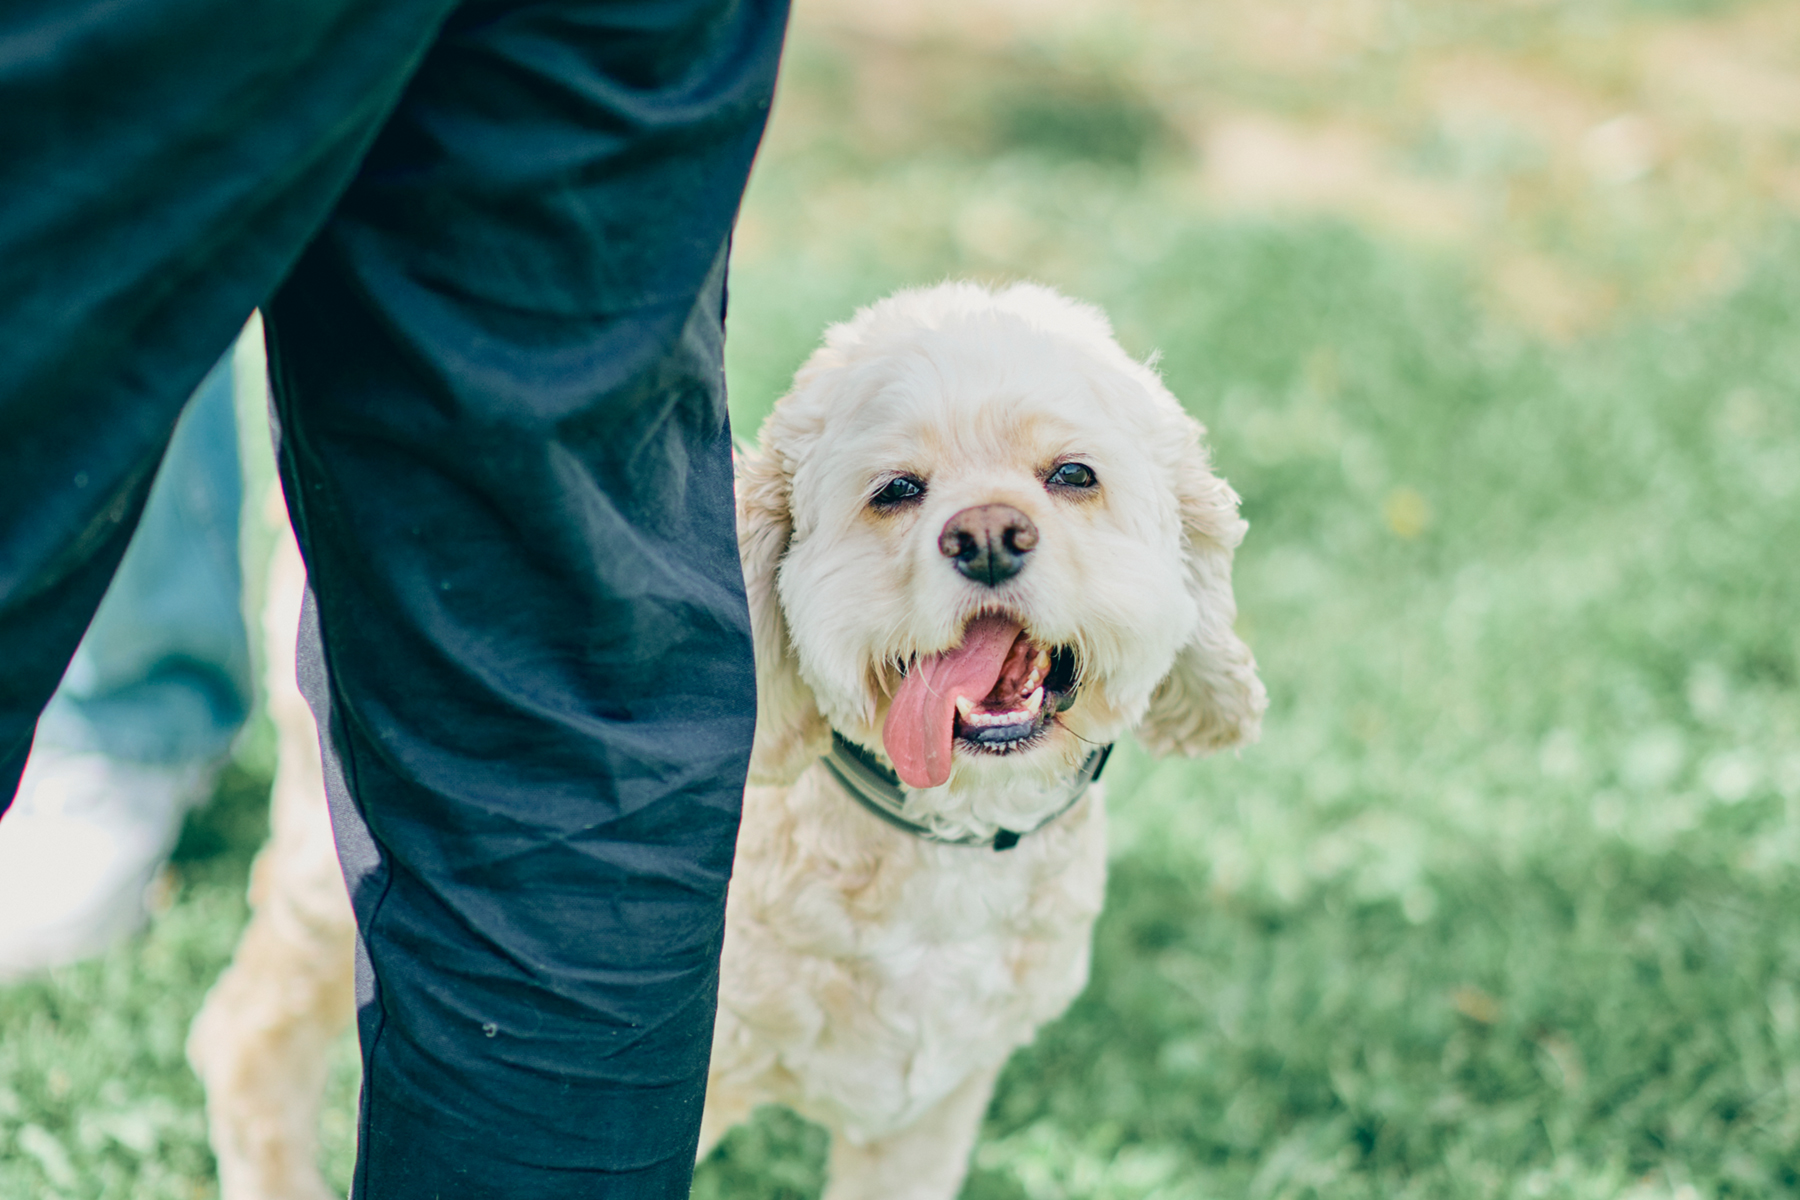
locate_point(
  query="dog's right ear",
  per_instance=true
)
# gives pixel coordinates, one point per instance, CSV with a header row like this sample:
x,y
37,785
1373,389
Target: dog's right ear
x,y
1211,698
790,732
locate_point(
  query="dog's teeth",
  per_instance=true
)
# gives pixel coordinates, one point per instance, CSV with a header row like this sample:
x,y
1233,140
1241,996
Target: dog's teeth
x,y
966,707
1018,716
1042,666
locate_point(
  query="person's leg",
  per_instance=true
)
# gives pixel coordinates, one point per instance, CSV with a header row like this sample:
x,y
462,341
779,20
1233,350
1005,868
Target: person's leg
x,y
499,382
163,673
181,152
156,692
176,156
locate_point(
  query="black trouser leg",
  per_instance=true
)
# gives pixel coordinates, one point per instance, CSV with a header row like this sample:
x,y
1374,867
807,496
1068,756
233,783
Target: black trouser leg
x,y
500,387
162,162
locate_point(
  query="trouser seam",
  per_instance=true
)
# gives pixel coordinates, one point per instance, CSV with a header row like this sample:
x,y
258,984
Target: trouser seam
x,y
296,506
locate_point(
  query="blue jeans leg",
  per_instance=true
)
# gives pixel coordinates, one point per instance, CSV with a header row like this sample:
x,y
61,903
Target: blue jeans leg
x,y
162,674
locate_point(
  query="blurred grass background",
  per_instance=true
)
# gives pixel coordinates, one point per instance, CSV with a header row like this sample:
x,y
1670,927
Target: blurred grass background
x,y
1491,309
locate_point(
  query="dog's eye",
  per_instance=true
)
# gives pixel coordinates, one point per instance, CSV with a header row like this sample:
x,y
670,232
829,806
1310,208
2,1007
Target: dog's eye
x,y
898,491
1072,475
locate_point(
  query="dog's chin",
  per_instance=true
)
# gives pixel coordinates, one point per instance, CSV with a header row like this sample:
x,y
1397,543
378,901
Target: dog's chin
x,y
1043,754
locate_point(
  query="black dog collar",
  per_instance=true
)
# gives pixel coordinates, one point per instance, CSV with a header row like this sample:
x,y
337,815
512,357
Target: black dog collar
x,y
878,789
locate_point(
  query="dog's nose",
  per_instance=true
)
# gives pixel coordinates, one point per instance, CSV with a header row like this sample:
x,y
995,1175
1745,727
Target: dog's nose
x,y
988,543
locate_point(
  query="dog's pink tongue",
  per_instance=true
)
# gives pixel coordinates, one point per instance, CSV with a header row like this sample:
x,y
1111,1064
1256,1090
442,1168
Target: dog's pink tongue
x,y
921,723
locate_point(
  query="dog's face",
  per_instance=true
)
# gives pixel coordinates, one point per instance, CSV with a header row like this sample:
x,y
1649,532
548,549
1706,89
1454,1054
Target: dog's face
x,y
981,540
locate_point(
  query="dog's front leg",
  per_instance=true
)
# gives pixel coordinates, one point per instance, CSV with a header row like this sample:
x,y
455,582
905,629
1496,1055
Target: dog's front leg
x,y
259,1044
925,1161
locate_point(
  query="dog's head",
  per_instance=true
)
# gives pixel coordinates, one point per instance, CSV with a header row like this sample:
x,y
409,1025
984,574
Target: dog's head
x,y
982,540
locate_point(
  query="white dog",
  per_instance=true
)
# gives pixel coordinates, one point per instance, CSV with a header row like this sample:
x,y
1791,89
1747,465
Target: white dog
x,y
981,543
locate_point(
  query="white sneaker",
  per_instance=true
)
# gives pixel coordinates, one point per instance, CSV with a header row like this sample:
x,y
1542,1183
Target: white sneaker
x,y
79,848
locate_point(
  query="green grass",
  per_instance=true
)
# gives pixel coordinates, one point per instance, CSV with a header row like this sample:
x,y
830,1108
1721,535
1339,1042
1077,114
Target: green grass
x,y
1503,905
95,1095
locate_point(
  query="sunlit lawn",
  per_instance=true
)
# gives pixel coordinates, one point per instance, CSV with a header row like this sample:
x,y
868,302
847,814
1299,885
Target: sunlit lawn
x,y
1506,902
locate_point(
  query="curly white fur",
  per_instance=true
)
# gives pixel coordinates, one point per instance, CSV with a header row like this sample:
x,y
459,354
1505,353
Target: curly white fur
x,y
874,981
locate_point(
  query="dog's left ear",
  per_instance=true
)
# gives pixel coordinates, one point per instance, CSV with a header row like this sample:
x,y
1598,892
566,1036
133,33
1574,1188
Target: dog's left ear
x,y
1211,698
790,732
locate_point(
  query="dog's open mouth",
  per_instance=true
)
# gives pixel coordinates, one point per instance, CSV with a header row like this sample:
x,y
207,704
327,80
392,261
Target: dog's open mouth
x,y
1035,684
996,693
